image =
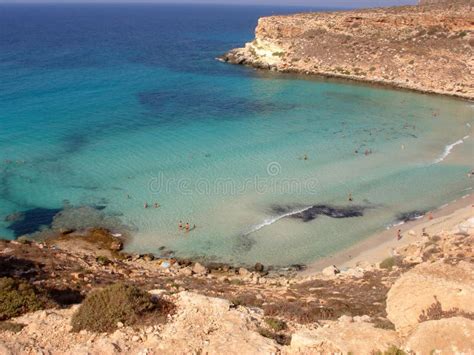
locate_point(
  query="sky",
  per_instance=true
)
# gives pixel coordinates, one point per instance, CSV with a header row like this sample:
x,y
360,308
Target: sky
x,y
315,3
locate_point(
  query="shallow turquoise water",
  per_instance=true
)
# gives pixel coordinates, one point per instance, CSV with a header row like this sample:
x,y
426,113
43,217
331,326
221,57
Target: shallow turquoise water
x,y
127,105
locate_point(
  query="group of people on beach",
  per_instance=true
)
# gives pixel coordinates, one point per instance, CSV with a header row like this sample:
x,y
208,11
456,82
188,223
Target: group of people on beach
x,y
186,227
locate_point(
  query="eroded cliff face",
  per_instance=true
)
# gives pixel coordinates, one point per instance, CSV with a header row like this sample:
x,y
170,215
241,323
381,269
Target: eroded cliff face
x,y
426,48
437,2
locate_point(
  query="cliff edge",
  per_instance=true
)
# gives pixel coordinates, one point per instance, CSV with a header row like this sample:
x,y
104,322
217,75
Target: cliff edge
x,y
423,48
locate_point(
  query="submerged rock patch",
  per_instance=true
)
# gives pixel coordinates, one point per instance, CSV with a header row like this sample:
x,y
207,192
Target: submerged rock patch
x,y
313,212
32,220
410,216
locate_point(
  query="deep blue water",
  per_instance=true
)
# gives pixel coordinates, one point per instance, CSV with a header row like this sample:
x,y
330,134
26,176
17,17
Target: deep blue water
x,y
112,106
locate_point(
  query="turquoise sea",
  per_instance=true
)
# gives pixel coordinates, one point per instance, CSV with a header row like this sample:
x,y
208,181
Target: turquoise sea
x,y
104,108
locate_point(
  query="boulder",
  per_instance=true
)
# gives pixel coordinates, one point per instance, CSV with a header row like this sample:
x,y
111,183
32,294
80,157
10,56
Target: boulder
x,y
199,269
415,291
214,327
148,257
244,272
259,267
444,336
331,271
355,272
185,271
342,337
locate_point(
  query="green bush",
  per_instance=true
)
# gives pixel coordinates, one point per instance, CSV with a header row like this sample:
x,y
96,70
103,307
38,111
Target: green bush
x,y
280,338
17,298
390,262
103,309
392,350
276,324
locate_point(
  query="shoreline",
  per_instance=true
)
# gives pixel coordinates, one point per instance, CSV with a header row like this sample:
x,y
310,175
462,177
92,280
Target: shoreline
x,y
345,79
382,245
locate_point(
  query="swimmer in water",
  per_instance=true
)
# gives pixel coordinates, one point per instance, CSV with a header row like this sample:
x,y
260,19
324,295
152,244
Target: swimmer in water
x,y
156,205
187,227
180,225
145,205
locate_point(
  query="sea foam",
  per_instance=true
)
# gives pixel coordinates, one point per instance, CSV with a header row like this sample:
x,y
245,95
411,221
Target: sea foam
x,y
448,149
271,220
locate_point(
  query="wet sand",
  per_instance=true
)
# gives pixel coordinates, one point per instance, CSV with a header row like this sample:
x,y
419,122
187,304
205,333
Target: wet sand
x,y
380,246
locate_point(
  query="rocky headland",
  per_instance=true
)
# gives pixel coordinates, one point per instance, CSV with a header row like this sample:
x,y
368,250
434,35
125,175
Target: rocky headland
x,y
417,301
428,48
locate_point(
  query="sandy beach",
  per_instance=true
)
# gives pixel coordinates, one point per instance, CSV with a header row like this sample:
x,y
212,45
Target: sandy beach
x,y
382,245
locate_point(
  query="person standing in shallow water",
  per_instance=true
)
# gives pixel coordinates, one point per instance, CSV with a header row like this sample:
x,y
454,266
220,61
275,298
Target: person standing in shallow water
x,y
180,225
399,234
350,197
187,227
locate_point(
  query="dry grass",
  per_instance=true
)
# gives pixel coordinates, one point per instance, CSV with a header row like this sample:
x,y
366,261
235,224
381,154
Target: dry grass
x,y
436,312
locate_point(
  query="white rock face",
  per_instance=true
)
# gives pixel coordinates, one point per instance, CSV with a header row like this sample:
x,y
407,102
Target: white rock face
x,y
199,269
444,336
210,324
330,271
415,291
342,337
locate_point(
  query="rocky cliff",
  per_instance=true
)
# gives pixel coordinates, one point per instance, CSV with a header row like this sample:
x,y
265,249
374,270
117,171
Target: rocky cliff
x,y
437,2
425,48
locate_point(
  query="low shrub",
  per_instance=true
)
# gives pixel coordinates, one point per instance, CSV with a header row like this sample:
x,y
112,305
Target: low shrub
x,y
11,327
281,339
303,313
103,260
103,309
436,312
247,300
16,298
390,262
276,324
392,350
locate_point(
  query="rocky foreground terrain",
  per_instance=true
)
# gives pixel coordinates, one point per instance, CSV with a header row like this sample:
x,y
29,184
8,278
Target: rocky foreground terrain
x,y
429,48
418,301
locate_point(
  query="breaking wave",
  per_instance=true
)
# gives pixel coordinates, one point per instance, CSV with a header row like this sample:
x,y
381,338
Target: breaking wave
x,y
448,149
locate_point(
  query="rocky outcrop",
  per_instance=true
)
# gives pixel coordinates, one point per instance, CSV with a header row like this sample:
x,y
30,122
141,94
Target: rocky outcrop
x,y
202,325
343,338
438,2
422,48
449,287
214,327
444,336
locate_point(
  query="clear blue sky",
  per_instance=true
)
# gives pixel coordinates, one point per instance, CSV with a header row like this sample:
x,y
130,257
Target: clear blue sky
x,y
315,3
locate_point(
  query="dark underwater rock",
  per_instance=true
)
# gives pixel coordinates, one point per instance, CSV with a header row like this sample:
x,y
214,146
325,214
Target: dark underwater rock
x,y
33,220
326,210
410,216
